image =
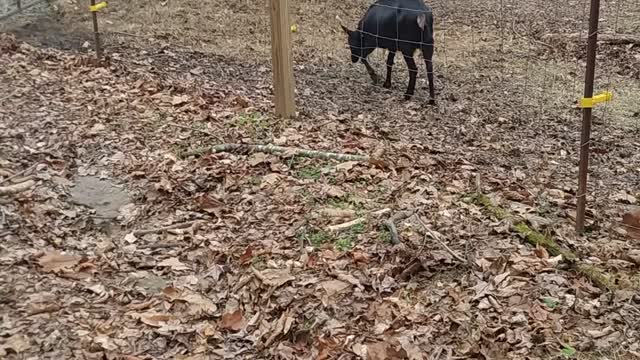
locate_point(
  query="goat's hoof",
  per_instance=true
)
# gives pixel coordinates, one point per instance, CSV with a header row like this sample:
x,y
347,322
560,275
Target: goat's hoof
x,y
375,80
387,85
432,102
407,97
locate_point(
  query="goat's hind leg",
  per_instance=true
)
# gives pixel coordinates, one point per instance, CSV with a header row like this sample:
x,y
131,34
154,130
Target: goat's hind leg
x,y
427,53
413,73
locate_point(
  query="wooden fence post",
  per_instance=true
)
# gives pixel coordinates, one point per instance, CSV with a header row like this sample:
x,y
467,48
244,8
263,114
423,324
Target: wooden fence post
x,y
282,61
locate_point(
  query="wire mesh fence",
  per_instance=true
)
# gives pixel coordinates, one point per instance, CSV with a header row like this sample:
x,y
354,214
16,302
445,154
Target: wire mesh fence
x,y
502,68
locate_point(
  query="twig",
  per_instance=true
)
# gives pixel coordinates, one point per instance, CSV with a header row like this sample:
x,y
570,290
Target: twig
x,y
414,267
161,246
163,229
16,188
357,221
20,173
436,237
5,234
122,33
393,232
529,38
613,39
194,129
391,226
273,149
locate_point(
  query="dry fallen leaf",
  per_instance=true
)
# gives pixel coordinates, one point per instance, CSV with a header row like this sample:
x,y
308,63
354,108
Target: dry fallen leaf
x,y
17,343
631,222
179,100
154,319
274,277
233,320
55,262
348,165
198,303
333,287
173,263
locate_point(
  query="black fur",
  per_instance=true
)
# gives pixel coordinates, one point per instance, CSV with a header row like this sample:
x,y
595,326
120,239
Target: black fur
x,y
395,25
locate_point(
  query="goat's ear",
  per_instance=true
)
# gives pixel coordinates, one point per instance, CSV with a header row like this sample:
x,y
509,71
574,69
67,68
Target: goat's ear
x,y
422,21
344,28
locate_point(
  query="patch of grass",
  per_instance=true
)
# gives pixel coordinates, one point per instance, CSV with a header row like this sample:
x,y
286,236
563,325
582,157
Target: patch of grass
x,y
344,243
567,351
348,202
357,229
252,120
309,172
384,236
551,303
348,237
179,149
259,262
254,180
315,237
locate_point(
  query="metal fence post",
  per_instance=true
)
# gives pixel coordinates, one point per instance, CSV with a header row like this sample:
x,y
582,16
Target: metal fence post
x,y
585,137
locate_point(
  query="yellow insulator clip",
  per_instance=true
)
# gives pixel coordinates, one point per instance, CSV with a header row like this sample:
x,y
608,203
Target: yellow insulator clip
x,y
98,6
605,96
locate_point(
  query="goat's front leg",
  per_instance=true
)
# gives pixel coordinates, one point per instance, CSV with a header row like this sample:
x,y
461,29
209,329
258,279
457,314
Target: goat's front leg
x,y
370,70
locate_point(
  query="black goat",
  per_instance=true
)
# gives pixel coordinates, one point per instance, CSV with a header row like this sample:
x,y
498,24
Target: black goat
x,y
395,25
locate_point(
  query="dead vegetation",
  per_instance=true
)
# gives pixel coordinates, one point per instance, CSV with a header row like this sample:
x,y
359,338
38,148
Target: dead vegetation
x,y
265,254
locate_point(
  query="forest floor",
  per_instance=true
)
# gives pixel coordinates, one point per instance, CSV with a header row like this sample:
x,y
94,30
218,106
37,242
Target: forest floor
x,y
117,241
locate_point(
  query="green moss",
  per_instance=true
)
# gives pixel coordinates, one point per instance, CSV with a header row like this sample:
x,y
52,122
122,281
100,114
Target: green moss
x,y
537,239
498,212
598,277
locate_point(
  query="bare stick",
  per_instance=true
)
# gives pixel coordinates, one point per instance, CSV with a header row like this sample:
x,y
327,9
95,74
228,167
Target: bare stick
x,y
357,221
20,173
393,232
436,237
273,149
163,229
613,39
16,188
194,129
391,226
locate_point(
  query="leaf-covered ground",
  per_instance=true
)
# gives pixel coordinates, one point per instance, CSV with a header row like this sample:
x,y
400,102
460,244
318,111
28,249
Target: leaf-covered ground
x,y
255,270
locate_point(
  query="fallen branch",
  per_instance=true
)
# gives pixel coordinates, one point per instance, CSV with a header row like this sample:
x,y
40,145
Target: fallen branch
x,y
435,236
19,173
391,226
359,220
16,188
273,149
184,225
613,39
597,276
414,267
